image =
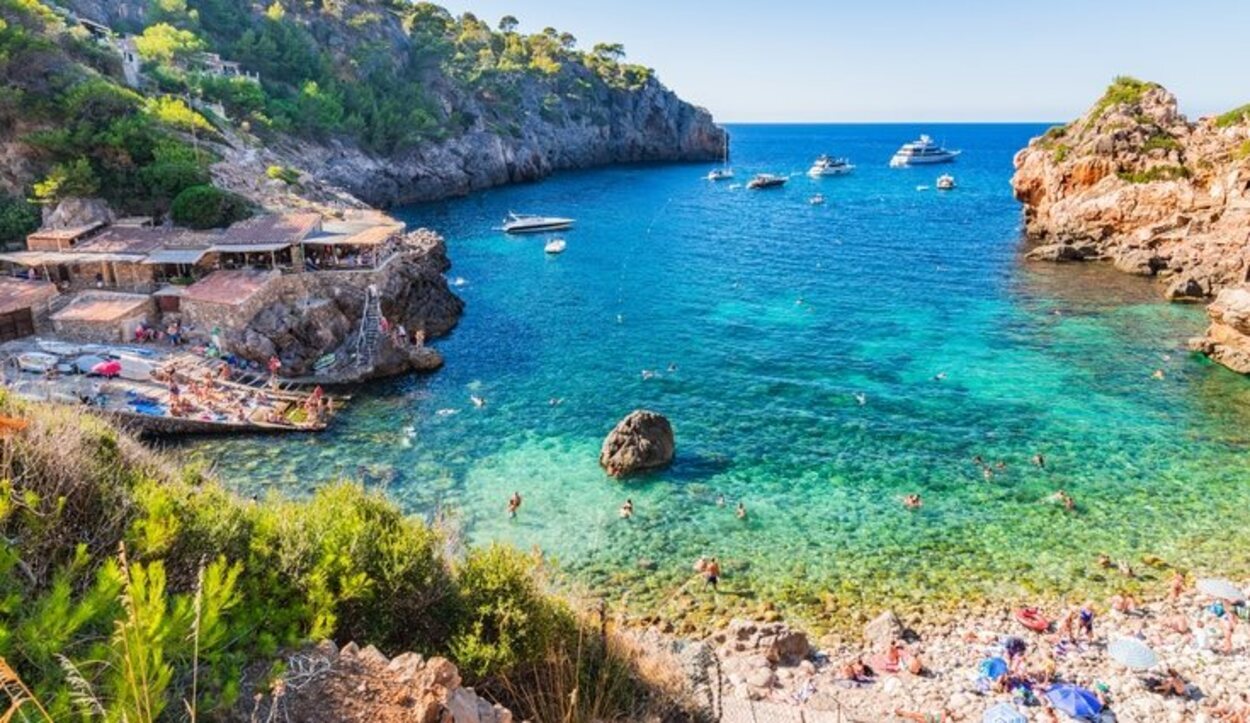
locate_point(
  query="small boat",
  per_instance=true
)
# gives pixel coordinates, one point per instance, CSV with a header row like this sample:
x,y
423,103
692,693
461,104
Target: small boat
x,y
555,246
816,200
946,182
829,166
767,180
527,223
36,361
921,152
724,173
1033,619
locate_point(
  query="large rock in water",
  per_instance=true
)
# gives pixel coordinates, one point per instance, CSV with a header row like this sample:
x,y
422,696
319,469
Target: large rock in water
x,y
641,441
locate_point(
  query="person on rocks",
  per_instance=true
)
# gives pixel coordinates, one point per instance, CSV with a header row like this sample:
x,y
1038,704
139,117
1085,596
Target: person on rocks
x,y
273,365
1124,604
711,574
942,717
627,509
1178,584
1085,616
741,511
855,671
1047,713
514,504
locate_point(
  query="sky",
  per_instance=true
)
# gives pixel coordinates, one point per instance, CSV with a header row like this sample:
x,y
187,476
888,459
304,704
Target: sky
x,y
901,60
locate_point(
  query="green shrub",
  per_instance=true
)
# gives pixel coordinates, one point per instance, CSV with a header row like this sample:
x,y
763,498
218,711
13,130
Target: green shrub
x,y
1232,117
1060,153
1124,90
1161,141
205,206
18,217
163,43
285,174
1242,151
505,618
68,180
175,168
1155,173
175,113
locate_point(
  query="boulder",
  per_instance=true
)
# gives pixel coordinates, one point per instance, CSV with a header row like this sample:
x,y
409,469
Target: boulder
x,y
639,442
73,212
883,630
787,647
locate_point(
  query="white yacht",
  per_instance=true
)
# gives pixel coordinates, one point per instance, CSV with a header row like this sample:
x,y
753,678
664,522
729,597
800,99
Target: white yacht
x,y
723,173
525,223
555,246
945,182
828,166
920,152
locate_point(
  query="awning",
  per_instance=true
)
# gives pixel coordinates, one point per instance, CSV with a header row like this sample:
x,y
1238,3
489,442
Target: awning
x,y
175,256
249,248
372,236
52,258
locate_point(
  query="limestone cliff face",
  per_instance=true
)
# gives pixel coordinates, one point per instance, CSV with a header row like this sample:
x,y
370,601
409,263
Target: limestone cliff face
x,y
1135,183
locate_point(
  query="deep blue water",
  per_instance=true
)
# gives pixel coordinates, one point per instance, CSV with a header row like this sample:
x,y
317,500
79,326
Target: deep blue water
x,y
777,314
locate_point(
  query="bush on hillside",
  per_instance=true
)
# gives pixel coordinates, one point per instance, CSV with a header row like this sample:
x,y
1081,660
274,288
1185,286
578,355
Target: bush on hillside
x,y
205,206
18,217
75,179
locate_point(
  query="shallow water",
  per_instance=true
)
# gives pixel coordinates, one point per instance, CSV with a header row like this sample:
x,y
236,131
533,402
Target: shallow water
x,y
776,314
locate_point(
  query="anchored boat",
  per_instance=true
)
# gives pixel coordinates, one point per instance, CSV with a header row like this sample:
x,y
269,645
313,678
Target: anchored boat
x,y
527,223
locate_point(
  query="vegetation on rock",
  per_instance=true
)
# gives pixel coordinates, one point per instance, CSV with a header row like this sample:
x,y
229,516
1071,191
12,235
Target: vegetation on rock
x,y
1233,117
1124,90
205,206
18,217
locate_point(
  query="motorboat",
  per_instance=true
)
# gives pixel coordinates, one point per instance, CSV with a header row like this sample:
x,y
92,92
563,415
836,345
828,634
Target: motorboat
x,y
817,200
922,152
829,166
767,180
724,173
526,223
945,182
555,246
36,361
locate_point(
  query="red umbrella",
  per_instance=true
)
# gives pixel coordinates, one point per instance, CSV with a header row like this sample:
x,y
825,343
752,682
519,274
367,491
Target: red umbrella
x,y
110,368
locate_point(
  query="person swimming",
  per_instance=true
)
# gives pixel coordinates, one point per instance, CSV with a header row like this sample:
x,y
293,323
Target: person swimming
x,y
720,500
912,502
627,509
741,511
861,398
514,504
1039,460
478,402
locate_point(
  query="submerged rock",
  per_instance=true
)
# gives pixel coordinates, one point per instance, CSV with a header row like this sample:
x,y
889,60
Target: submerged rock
x,y
641,441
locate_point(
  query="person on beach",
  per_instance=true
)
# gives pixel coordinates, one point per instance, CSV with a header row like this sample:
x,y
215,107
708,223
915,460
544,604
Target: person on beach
x,y
711,574
1124,603
855,671
627,509
912,502
941,717
1047,713
1085,616
1178,584
514,504
741,511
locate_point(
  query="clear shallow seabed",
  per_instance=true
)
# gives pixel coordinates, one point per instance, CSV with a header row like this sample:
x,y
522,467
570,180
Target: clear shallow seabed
x,y
777,313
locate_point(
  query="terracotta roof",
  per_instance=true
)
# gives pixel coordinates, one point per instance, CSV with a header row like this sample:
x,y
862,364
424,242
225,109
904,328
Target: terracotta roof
x,y
288,228
127,240
103,306
231,287
22,294
65,234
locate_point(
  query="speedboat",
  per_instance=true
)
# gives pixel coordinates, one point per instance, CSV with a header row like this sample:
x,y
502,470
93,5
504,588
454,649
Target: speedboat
x,y
828,166
767,180
921,152
555,246
945,182
724,173
816,200
526,223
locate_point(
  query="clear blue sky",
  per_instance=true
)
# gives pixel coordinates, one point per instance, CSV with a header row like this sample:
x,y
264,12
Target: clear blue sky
x,y
883,60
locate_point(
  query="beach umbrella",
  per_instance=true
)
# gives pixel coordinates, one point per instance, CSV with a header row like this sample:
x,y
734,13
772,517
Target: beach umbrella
x,y
993,668
1221,589
1004,713
1074,700
110,368
1132,653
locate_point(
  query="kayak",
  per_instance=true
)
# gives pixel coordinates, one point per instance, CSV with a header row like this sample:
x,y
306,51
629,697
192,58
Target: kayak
x,y
1033,619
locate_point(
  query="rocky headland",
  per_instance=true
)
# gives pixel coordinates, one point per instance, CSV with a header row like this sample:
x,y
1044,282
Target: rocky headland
x,y
1135,183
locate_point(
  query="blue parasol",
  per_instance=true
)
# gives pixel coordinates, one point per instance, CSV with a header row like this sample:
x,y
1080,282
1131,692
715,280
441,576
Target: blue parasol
x,y
993,668
1074,700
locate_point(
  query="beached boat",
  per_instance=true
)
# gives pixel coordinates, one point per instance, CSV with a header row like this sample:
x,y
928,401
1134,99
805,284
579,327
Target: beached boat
x,y
767,180
527,223
829,166
946,182
555,246
723,173
36,361
922,152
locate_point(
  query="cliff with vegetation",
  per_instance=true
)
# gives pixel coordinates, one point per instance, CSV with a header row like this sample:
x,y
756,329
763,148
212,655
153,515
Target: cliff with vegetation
x,y
296,102
1135,183
136,590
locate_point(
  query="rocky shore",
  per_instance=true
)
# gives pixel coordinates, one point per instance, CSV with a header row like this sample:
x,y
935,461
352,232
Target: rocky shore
x,y
766,669
1133,182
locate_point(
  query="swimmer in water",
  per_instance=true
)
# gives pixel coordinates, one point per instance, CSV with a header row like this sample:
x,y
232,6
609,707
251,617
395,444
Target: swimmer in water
x,y
741,511
912,502
514,504
647,374
720,500
988,474
555,401
861,398
627,509
478,402
939,376
1158,374
1039,460
672,367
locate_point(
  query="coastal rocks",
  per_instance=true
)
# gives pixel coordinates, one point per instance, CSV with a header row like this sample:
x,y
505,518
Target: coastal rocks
x,y
73,212
1227,339
1134,182
883,630
639,442
363,685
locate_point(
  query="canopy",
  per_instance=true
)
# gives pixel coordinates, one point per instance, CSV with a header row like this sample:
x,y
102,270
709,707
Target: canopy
x,y
993,668
110,368
1074,701
175,256
1004,713
46,258
1221,589
1132,653
249,248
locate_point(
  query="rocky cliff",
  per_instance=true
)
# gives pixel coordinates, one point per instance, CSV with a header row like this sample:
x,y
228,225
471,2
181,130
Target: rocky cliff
x,y
1135,183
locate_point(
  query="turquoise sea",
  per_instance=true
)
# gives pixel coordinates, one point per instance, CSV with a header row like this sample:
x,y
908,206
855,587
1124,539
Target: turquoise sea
x,y
776,314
